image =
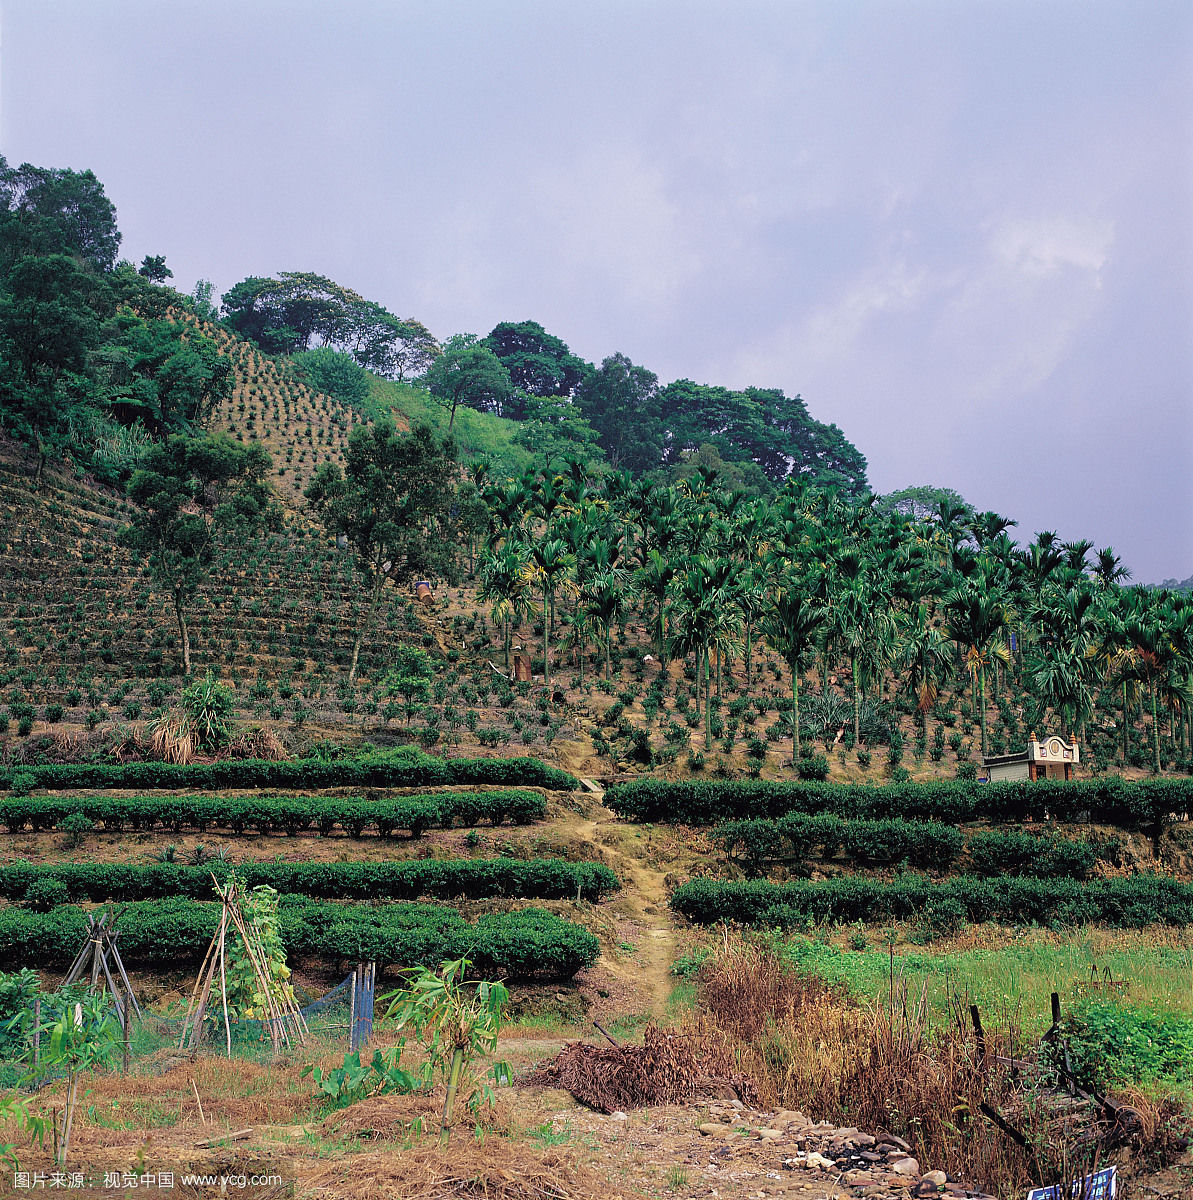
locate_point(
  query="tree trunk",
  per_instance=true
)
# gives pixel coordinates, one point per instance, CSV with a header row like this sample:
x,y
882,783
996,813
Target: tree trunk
x,y
1155,730
1126,727
982,702
749,652
857,722
795,746
546,644
183,634
363,627
449,1102
708,701
608,639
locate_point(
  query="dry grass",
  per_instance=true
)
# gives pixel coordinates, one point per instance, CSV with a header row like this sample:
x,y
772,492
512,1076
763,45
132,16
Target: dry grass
x,y
890,1064
495,1169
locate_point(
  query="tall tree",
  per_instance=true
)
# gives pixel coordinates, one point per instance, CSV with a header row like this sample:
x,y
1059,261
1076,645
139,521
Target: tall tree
x,y
539,363
46,210
470,374
620,401
551,564
392,502
189,492
975,617
792,624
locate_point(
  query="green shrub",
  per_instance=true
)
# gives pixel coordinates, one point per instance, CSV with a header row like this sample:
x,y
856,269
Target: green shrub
x,y
76,826
405,768
525,943
45,893
1132,902
276,814
209,705
410,879
1043,855
22,783
1111,1045
814,768
1107,801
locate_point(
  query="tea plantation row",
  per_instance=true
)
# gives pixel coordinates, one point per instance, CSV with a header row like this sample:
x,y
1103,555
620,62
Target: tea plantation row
x,y
541,878
923,844
396,770
1131,902
1111,800
277,814
166,932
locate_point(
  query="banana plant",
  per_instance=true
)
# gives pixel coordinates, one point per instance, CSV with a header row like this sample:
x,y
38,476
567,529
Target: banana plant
x,y
456,1020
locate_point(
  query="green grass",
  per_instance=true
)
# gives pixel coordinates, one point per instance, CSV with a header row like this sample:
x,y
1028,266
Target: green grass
x,y
1018,975
479,435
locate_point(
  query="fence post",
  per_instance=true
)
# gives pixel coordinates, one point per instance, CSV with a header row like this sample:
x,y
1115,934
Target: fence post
x,y
352,1012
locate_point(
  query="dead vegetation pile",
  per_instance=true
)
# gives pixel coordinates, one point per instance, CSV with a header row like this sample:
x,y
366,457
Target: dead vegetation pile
x,y
668,1068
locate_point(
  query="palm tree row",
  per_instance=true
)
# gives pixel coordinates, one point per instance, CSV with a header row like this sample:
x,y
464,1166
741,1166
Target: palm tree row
x,y
873,595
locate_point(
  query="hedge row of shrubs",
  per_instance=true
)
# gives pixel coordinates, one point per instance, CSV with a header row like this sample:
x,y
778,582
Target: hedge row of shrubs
x,y
397,770
277,814
924,844
541,878
166,932
1130,902
1110,801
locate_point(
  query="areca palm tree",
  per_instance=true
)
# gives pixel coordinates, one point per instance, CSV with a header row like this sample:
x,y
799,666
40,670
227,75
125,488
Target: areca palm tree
x,y
654,578
975,616
551,563
792,622
505,584
698,622
924,655
1063,661
604,597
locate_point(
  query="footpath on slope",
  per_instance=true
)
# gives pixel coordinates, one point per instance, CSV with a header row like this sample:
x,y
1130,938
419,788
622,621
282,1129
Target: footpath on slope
x,y
715,1148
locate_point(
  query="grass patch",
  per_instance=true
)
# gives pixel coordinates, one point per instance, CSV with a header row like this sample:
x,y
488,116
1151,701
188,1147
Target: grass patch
x,y
1016,970
478,434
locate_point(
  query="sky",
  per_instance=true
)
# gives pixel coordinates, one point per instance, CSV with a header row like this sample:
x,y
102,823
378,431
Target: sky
x,y
962,230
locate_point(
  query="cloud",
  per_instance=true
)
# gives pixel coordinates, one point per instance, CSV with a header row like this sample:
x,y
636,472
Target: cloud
x,y
605,214
1044,245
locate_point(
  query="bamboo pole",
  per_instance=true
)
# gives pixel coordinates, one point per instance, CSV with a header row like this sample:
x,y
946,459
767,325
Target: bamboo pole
x,y
224,985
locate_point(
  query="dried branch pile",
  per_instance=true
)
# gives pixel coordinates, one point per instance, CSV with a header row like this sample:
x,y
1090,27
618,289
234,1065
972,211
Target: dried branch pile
x,y
668,1068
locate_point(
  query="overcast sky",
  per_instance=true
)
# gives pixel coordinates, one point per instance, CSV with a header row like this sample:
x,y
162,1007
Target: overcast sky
x,y
963,231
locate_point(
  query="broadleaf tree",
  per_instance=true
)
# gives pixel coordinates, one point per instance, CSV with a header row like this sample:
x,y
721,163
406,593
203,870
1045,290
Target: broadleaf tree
x,y
190,491
393,503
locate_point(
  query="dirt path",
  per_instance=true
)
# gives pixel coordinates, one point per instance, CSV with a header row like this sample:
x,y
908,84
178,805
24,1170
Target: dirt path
x,y
642,900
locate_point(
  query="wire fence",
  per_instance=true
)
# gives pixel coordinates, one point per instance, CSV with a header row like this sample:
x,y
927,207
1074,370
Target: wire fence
x,y
344,1014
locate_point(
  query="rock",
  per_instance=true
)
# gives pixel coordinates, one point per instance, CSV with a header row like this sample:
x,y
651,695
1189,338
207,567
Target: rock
x,y
789,1116
818,1161
906,1166
925,1190
937,1177
714,1129
769,1135
889,1139
618,1116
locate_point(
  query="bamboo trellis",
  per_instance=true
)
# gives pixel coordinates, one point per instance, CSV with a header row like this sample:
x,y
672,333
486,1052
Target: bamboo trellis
x,y
282,1016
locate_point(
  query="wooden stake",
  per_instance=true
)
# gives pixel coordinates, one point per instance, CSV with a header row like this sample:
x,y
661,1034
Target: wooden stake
x,y
224,985
199,1102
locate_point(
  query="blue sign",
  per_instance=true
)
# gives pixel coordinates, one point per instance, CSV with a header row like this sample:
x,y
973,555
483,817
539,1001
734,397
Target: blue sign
x,y
1099,1186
